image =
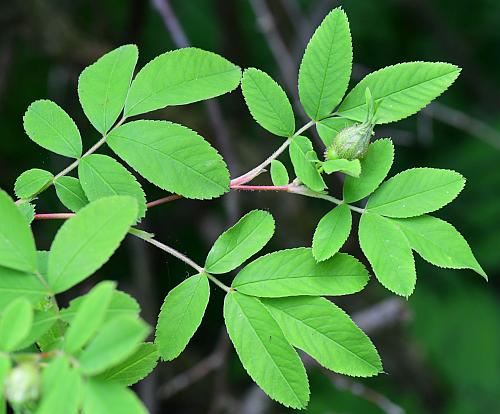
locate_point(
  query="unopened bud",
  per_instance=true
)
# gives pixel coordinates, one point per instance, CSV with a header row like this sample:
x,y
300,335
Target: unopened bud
x,y
23,384
350,143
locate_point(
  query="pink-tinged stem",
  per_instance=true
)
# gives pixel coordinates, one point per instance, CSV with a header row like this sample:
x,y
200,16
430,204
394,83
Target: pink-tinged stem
x,y
163,200
54,216
259,187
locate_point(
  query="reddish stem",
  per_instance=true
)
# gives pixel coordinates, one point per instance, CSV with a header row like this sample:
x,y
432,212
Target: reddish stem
x,y
53,216
259,187
163,200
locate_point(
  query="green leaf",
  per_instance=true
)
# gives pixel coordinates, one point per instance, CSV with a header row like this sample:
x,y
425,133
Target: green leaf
x,y
264,352
49,126
329,128
326,66
109,398
240,242
15,323
294,272
70,192
415,192
31,182
43,321
326,332
375,166
268,103
387,249
103,86
439,243
181,315
103,176
136,367
27,210
279,174
332,232
86,241
14,284
173,157
122,304
348,167
399,91
90,316
180,77
116,341
5,366
303,159
62,388
17,246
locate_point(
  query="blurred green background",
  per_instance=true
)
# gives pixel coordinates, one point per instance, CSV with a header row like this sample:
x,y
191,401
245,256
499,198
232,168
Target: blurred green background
x,y
442,351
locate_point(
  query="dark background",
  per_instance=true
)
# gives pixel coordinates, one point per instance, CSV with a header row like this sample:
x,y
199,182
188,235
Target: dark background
x,y
441,348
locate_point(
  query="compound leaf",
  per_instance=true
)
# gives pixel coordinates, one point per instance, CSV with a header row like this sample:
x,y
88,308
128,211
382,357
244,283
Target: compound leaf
x,y
51,127
103,176
180,77
70,193
173,157
375,166
439,243
15,323
31,182
279,174
294,272
86,241
399,91
387,249
136,367
116,340
103,86
415,192
264,352
181,315
17,246
326,66
268,103
326,332
304,163
110,398
332,232
249,235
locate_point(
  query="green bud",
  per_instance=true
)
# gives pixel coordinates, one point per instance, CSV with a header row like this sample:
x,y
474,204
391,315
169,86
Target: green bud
x,y
23,384
351,143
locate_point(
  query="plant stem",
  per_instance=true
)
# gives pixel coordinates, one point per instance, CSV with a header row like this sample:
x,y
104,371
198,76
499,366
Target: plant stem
x,y
163,200
52,216
309,193
260,187
218,282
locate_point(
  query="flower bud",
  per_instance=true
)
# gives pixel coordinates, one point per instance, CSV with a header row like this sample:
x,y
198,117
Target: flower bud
x,y
350,143
23,384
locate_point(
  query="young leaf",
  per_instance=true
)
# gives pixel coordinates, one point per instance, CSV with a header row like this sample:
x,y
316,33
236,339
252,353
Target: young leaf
x,y
17,246
181,315
264,352
103,86
14,284
387,249
331,233
49,126
326,66
89,317
415,192
348,167
375,166
31,182
268,103
180,77
103,176
326,332
329,128
279,174
136,367
439,243
303,159
399,91
62,388
237,244
109,398
70,193
294,272
27,210
86,241
173,157
116,340
15,323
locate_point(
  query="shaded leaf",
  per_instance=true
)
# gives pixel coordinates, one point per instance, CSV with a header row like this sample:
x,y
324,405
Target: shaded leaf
x,y
279,174
303,159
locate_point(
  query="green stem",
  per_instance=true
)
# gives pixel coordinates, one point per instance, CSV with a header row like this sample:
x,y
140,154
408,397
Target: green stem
x,y
302,190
